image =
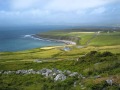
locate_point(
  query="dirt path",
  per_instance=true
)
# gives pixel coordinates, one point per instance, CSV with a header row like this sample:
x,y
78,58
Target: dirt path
x,y
94,36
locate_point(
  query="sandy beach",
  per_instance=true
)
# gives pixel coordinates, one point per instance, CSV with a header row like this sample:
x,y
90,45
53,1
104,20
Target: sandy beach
x,y
67,42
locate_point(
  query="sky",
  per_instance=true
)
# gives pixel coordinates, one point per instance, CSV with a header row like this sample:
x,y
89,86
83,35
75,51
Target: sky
x,y
59,12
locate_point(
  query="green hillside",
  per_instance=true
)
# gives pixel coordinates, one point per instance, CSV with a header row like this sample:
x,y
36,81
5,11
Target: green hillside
x,y
95,59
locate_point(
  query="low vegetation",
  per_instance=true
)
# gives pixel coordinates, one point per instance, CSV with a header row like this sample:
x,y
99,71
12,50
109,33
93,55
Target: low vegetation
x,y
97,61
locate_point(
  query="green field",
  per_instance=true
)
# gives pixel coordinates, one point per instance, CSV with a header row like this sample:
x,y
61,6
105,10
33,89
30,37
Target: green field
x,y
98,56
107,39
88,37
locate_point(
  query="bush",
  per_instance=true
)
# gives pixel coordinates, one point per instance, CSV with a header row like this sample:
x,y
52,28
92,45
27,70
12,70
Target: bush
x,y
99,86
92,53
105,54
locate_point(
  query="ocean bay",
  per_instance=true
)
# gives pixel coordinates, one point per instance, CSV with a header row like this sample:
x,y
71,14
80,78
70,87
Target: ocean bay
x,y
17,39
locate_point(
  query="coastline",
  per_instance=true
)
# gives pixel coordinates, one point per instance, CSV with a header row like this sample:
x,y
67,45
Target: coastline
x,y
67,42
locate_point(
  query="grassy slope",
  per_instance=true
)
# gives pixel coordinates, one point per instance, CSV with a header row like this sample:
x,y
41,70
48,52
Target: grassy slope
x,y
56,58
112,38
106,69
90,37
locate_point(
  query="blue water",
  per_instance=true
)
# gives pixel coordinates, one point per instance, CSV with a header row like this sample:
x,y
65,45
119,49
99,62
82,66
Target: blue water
x,y
13,38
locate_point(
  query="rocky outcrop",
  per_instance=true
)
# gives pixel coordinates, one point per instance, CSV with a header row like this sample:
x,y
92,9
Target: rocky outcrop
x,y
61,77
55,74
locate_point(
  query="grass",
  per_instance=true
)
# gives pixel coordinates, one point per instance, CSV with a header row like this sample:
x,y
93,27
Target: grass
x,y
52,54
91,38
106,39
89,65
39,54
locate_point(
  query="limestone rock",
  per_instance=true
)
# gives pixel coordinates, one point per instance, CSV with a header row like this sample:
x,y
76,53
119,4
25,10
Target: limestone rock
x,y
73,74
109,81
61,77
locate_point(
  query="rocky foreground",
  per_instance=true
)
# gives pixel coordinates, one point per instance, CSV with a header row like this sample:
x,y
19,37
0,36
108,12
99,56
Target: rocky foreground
x,y
52,73
55,74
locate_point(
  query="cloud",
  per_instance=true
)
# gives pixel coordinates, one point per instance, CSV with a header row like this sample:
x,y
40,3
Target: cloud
x,y
58,11
58,5
26,4
81,12
21,4
30,13
71,5
99,10
23,17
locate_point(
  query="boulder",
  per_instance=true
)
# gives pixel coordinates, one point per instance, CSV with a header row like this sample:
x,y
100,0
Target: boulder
x,y
55,70
60,77
75,84
1,71
46,72
54,74
7,72
109,81
67,72
33,72
59,71
18,72
73,74
80,76
30,71
43,70
38,72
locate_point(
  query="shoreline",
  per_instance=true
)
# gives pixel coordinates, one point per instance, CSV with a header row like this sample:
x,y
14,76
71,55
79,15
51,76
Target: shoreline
x,y
36,37
67,42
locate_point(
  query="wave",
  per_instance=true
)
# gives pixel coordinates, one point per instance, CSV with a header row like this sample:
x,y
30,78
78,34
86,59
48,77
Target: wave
x,y
48,39
27,36
55,40
35,38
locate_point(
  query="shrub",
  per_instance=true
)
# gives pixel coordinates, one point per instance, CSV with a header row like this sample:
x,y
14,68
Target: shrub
x,y
105,54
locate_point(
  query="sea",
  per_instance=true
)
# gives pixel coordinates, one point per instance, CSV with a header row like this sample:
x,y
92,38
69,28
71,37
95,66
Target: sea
x,y
18,38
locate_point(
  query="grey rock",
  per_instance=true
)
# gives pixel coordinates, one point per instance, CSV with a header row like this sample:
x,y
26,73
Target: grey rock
x,y
18,72
7,72
43,70
39,72
109,81
54,74
73,74
1,71
46,72
83,77
59,71
61,77
33,72
97,63
67,72
98,76
38,61
30,71
55,70
75,84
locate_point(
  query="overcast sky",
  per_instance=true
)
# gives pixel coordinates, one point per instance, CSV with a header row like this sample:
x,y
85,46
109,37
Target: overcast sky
x,y
22,12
